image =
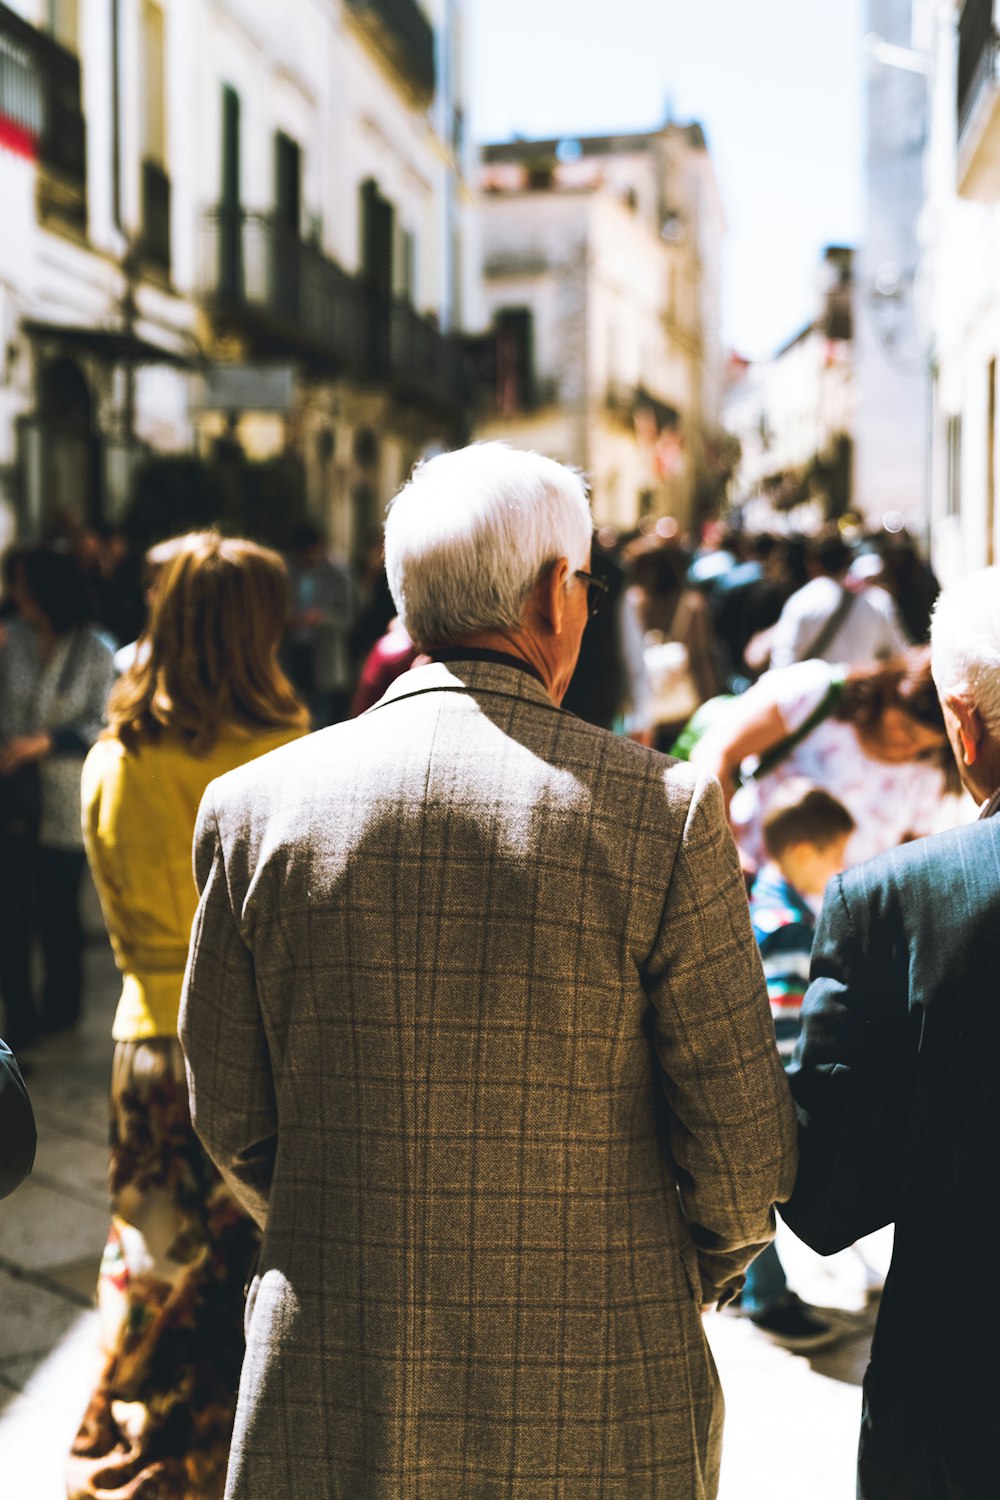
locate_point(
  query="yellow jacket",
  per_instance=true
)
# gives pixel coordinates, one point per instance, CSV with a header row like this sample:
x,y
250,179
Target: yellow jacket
x,y
139,810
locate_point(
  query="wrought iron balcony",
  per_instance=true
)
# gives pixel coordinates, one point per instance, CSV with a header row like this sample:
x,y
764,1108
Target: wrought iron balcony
x,y
422,361
41,115
258,280
258,277
403,34
155,242
978,101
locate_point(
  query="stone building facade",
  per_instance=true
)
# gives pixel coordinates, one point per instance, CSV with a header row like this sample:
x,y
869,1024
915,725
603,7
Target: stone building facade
x,y
601,278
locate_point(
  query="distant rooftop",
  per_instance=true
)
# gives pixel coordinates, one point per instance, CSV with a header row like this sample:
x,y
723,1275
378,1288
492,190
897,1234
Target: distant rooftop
x,y
573,147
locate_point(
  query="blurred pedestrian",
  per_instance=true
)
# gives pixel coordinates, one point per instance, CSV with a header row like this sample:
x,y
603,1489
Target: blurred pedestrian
x,y
376,608
806,832
112,577
475,1025
827,621
748,600
717,553
895,1085
204,697
17,1125
912,584
323,610
388,659
679,641
610,686
55,675
872,736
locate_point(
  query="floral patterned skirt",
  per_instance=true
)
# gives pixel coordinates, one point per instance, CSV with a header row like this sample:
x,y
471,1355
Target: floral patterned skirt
x,y
171,1294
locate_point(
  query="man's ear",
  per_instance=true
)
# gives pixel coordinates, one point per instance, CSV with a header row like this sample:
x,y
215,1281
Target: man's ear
x,y
970,726
551,594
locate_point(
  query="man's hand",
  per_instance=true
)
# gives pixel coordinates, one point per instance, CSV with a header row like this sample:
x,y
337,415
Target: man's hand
x,y
22,751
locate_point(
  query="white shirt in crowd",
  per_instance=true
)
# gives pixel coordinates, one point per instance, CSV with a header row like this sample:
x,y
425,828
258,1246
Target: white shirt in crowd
x,y
869,631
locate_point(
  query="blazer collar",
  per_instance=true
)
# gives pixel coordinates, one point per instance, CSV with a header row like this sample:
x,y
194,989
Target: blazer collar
x,y
472,677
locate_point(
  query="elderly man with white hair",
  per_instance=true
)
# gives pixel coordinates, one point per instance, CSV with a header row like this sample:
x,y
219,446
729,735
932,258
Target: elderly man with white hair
x,y
476,1027
896,1093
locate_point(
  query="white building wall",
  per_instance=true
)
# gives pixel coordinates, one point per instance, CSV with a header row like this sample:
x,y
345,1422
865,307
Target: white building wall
x,y
892,436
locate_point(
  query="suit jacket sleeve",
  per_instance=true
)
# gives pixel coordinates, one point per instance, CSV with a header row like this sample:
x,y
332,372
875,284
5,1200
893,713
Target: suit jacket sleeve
x,y
17,1125
222,1034
851,1074
731,1123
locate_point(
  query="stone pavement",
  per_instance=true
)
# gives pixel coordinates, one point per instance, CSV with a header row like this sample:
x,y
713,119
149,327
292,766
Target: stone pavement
x,y
792,1422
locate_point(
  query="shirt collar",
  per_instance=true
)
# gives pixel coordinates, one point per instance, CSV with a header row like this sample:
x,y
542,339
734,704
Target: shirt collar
x,y
479,653
991,805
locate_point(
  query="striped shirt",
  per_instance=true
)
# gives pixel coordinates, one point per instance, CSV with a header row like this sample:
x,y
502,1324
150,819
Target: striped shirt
x,y
783,925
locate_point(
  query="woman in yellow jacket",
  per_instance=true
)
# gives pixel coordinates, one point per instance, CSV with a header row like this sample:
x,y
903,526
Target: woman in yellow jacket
x,y
204,695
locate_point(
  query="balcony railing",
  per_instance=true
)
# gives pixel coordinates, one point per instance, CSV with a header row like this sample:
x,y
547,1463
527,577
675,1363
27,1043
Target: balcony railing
x,y
287,298
977,51
254,267
404,35
421,359
156,215
40,103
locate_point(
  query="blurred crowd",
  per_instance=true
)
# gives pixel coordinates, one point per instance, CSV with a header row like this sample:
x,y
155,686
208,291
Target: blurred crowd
x,y
795,669
685,626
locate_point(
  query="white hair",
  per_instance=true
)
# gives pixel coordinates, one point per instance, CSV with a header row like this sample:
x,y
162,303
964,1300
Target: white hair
x,y
965,644
468,536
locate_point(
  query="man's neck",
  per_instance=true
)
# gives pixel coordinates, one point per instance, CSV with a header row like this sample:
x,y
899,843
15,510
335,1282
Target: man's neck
x,y
516,643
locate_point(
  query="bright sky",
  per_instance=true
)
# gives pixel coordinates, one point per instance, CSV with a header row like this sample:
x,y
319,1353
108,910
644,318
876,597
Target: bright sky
x,y
777,85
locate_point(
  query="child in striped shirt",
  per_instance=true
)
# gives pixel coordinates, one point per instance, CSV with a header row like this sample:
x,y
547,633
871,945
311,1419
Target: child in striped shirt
x,y
806,831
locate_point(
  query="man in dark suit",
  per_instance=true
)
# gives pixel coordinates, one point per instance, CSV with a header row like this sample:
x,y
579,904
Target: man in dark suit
x,y
17,1125
894,1084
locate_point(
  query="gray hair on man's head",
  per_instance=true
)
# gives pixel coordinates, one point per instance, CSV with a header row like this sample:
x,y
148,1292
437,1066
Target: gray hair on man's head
x,y
469,535
965,644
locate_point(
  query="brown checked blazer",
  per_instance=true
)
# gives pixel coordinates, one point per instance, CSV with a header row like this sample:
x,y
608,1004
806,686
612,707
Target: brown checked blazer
x,y
476,1027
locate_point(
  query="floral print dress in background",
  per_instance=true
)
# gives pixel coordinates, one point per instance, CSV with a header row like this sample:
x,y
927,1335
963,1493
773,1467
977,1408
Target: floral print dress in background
x,y
160,1422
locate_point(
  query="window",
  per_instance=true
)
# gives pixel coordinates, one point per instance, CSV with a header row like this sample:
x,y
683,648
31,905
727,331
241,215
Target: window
x,y
230,214
155,182
954,445
64,23
377,239
515,328
288,183
154,131
406,268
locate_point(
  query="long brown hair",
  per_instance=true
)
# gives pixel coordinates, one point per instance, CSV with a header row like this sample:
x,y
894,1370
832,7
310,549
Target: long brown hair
x,y
903,682
208,659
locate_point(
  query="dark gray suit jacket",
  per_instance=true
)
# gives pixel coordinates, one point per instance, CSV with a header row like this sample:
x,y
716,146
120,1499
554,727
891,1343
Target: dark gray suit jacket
x,y
17,1125
896,1093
